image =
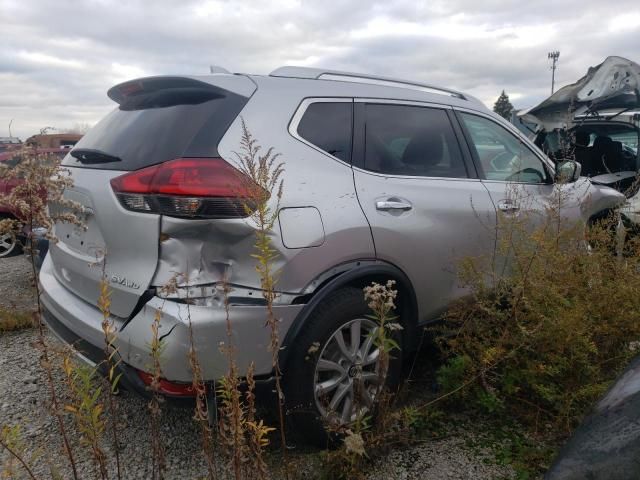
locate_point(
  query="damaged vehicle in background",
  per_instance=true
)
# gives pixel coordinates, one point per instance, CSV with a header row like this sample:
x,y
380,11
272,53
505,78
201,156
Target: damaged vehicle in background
x,y
10,242
596,122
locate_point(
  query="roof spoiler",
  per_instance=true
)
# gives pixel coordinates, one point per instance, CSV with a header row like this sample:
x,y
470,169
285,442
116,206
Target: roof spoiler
x,y
190,89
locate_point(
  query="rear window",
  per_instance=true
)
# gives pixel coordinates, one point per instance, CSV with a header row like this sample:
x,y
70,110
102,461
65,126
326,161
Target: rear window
x,y
327,125
148,132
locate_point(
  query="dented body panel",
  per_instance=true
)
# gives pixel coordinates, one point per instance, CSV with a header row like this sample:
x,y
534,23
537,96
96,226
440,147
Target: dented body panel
x,y
208,249
203,252
208,323
612,84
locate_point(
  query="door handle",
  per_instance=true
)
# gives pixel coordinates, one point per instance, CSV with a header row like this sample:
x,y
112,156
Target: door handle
x,y
393,205
508,206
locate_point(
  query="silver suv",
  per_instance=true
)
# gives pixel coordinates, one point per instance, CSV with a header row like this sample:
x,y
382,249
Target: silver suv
x,y
384,179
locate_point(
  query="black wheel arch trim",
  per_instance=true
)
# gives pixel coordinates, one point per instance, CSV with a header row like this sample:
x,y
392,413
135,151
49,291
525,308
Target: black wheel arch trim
x,y
362,273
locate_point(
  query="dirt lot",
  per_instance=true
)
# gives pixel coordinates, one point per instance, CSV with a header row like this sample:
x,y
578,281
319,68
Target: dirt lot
x,y
24,400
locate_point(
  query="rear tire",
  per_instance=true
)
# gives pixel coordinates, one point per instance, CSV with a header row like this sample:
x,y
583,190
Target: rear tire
x,y
334,353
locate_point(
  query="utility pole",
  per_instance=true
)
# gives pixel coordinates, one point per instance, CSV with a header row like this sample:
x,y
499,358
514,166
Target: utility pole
x,y
554,57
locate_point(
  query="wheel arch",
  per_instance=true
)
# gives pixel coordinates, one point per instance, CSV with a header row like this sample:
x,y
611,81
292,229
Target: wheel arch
x,y
359,277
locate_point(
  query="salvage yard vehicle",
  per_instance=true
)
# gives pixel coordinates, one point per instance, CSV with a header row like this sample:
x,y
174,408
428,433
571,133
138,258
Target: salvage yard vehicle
x,y
10,242
383,179
596,121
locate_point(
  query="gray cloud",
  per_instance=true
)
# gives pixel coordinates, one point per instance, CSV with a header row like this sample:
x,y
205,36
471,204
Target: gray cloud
x,y
57,59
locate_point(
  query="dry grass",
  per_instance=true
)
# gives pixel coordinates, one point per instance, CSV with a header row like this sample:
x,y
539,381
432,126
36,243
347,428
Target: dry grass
x,y
11,320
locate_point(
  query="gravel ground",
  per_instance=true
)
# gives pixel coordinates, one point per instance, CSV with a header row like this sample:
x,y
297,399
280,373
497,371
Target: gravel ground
x,y
16,289
24,400
442,459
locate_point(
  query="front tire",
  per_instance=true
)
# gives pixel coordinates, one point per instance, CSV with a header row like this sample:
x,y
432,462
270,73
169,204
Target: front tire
x,y
332,373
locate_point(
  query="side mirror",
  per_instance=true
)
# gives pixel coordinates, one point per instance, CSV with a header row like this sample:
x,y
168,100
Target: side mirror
x,y
568,171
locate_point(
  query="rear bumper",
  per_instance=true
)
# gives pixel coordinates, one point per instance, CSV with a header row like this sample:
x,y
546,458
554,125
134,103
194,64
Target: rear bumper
x,y
93,355
78,323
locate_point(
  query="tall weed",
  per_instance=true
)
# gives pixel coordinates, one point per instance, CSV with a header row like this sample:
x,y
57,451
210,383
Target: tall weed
x,y
38,201
545,340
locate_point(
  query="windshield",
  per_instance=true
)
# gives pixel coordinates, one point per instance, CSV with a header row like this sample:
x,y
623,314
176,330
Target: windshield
x,y
629,139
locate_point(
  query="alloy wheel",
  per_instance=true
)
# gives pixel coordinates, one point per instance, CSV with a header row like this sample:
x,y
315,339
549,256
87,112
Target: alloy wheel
x,y
7,243
346,374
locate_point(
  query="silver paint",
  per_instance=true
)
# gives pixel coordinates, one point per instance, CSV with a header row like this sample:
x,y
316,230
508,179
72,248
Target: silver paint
x,y
350,217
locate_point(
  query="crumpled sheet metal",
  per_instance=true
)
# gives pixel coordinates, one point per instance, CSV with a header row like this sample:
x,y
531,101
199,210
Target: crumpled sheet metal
x,y
612,84
606,446
203,252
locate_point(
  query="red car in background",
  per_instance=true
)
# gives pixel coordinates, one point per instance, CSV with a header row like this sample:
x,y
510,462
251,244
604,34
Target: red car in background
x,y
10,243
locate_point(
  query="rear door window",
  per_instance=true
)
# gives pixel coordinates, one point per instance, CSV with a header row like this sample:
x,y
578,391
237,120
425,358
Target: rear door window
x,y
327,125
411,140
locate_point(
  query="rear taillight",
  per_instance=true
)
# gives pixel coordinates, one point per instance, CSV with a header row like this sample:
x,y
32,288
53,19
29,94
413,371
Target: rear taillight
x,y
189,187
168,388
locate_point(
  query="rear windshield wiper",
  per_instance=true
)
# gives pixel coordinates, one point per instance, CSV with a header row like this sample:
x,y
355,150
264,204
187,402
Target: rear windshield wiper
x,y
90,157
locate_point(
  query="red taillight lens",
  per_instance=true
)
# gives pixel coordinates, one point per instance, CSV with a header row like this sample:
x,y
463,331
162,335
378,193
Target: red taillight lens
x,y
168,388
188,187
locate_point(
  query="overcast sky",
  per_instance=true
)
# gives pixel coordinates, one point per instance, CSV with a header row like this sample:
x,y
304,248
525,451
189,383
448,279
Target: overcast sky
x,y
58,57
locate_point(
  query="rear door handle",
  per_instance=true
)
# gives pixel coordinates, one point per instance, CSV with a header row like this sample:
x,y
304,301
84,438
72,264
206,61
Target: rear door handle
x,y
393,205
508,206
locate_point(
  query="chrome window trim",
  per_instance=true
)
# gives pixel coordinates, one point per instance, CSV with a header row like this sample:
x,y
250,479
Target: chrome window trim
x,y
299,113
415,177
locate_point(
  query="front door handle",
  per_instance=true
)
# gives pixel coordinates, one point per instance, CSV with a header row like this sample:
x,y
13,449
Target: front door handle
x,y
393,205
508,206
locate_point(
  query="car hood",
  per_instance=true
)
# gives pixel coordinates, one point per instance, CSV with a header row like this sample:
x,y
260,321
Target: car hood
x,y
612,84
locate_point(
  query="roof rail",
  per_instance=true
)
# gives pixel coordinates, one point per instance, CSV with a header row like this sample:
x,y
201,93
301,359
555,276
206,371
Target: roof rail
x,y
322,74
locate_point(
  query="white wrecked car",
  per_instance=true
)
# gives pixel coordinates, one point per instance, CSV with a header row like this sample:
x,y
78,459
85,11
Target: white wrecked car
x,y
596,121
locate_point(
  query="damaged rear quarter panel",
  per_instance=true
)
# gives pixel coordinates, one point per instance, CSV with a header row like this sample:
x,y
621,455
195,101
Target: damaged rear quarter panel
x,y
206,249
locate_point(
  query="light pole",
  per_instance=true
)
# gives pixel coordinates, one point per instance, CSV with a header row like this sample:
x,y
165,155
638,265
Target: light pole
x,y
553,56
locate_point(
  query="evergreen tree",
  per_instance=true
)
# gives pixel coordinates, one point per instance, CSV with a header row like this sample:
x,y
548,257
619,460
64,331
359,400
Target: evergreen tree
x,y
503,106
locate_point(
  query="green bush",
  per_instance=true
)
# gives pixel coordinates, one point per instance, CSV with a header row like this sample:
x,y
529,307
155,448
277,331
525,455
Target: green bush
x,y
545,341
